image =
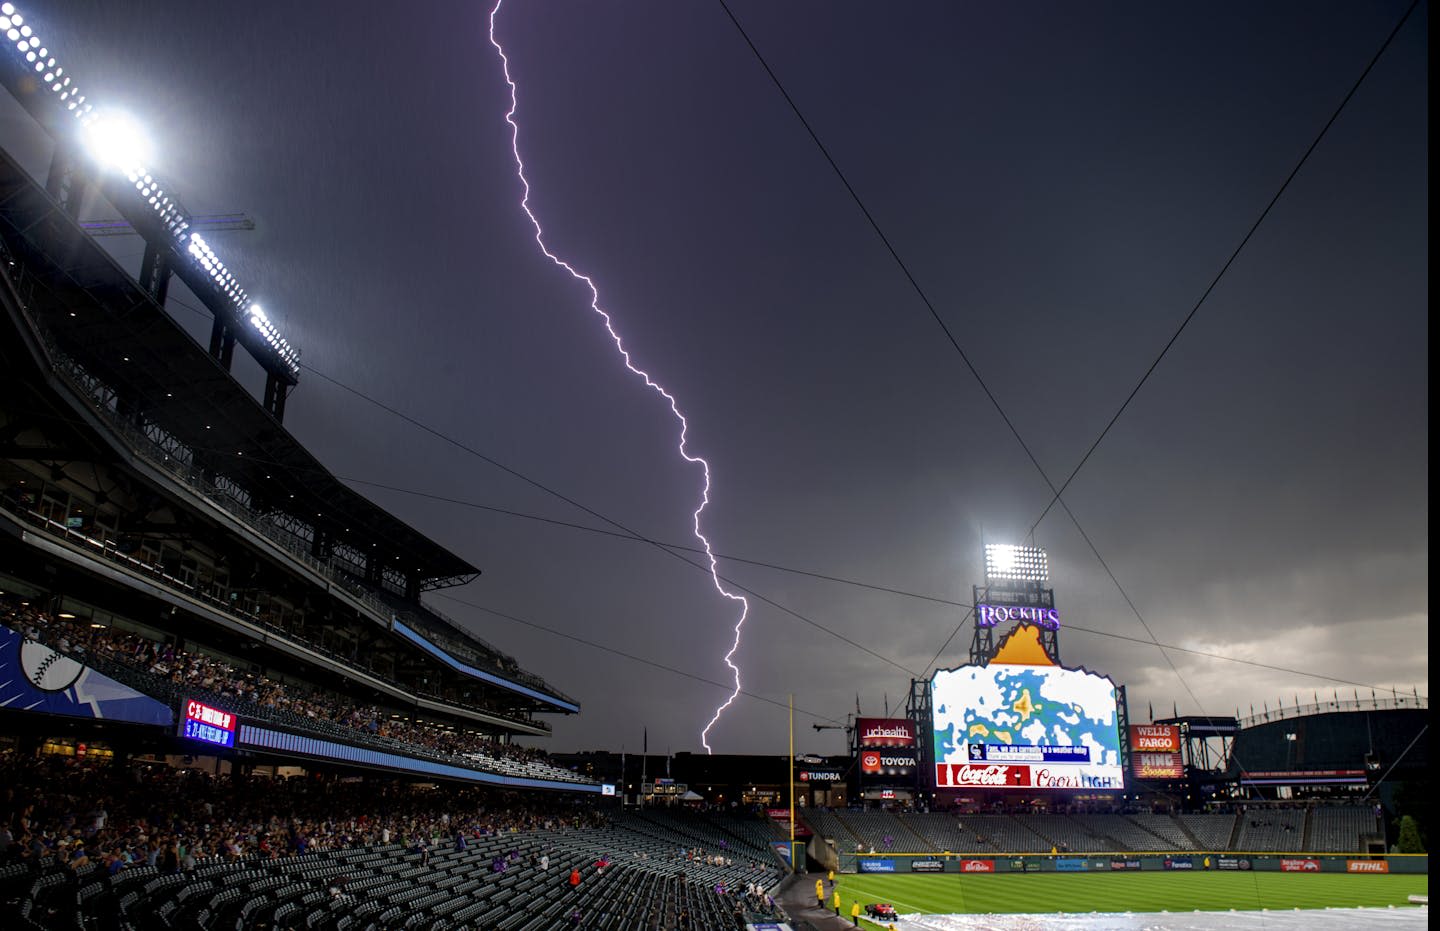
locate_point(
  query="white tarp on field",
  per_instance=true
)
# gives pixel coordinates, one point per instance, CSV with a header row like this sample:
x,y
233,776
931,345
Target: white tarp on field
x,y
1310,919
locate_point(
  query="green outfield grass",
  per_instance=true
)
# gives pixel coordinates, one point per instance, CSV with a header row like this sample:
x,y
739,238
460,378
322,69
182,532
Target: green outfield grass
x,y
1126,892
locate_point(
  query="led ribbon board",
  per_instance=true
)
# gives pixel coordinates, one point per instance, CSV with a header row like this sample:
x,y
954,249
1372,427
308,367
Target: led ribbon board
x,y
199,721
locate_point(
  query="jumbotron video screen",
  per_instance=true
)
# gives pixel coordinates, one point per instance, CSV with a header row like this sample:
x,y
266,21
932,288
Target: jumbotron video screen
x,y
1029,724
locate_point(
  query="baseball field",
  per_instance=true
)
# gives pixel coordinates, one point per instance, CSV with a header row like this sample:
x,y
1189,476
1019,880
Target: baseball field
x,y
1126,892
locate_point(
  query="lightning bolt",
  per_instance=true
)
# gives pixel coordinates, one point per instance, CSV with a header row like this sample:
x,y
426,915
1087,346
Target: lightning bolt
x,y
639,372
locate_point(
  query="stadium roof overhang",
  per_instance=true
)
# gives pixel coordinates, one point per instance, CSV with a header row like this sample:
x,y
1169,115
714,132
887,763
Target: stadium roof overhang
x,y
118,333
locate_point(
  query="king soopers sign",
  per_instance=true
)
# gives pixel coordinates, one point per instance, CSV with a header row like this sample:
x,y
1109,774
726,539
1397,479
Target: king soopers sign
x,y
994,615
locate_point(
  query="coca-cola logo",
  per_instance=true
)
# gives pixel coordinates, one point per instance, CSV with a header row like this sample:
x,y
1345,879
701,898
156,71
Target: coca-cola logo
x,y
995,775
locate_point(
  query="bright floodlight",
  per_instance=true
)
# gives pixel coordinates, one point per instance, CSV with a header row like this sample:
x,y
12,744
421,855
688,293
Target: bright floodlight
x,y
116,141
1019,563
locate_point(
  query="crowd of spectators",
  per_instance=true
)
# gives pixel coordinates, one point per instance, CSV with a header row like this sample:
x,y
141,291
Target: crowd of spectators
x,y
120,815
195,670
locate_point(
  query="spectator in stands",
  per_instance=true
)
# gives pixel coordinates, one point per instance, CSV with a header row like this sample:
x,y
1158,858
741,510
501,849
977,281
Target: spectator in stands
x,y
575,879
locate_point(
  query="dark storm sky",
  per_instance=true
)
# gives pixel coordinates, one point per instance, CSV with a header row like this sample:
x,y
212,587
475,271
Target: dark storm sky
x,y
1063,179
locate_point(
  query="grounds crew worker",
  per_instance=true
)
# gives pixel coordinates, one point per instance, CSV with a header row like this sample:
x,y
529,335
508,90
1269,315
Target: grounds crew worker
x,y
820,892
837,902
855,913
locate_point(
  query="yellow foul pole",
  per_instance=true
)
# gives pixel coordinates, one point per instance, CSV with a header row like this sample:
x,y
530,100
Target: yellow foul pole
x,y
791,764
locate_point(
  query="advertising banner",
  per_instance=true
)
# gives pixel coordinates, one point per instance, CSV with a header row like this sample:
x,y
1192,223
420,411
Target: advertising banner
x,y
927,866
1025,722
207,724
816,776
1124,865
782,817
1367,866
1071,865
34,677
977,866
868,865
887,765
1179,863
1156,738
1157,765
1232,863
1299,865
885,732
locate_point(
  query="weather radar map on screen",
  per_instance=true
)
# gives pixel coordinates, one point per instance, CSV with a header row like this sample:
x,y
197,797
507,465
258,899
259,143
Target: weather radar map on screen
x,y
1024,722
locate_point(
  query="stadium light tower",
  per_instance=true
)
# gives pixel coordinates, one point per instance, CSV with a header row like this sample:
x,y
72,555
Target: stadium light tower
x,y
116,142
1009,563
106,149
1016,589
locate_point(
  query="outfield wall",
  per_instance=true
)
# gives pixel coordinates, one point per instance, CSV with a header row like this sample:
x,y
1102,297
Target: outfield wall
x,y
1129,861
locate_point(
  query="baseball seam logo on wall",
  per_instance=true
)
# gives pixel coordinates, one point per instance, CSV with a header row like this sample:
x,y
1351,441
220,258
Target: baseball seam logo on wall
x,y
34,677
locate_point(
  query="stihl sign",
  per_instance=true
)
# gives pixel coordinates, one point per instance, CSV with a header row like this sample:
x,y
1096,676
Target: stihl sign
x,y
1367,866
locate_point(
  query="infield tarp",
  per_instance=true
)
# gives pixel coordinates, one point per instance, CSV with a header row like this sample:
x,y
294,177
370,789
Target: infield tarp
x,y
1329,919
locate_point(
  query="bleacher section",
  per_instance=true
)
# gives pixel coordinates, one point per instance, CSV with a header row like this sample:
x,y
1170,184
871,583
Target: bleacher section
x,y
825,824
1342,828
1211,832
1162,828
882,831
1274,829
1330,829
648,884
1004,833
943,831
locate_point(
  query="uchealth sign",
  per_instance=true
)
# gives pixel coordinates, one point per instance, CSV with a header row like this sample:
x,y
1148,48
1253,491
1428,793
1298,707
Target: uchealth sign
x,y
886,732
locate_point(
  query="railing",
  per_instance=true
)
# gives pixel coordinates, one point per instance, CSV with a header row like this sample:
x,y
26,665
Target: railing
x,y
100,397
170,693
1286,712
107,550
